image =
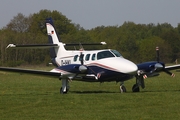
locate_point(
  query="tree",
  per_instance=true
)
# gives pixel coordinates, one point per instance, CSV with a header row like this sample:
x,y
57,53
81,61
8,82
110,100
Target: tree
x,y
63,24
19,23
146,49
32,30
178,28
136,42
173,39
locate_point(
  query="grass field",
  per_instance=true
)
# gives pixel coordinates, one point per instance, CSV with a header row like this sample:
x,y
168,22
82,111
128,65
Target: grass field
x,y
26,97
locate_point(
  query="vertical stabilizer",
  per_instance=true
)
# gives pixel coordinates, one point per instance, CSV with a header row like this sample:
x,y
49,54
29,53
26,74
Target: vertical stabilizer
x,y
54,39
51,31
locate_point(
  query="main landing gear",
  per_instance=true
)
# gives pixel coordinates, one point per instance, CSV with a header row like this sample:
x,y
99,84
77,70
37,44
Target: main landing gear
x,y
65,86
122,87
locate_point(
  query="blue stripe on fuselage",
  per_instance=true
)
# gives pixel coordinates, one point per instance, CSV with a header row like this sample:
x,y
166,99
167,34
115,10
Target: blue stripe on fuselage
x,y
105,74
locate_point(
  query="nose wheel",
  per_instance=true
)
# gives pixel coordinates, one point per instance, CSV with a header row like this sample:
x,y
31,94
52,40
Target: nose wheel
x,y
139,82
135,88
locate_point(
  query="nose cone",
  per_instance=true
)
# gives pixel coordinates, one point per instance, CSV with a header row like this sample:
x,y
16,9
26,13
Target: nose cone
x,y
121,65
129,67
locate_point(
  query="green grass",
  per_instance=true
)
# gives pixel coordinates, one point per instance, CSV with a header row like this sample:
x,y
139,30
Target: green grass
x,y
34,97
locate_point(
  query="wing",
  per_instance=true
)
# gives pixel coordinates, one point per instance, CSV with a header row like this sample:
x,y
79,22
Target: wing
x,y
173,67
28,71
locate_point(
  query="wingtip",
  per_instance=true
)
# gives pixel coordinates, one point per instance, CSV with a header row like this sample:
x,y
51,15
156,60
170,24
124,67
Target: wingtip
x,y
173,75
103,43
11,45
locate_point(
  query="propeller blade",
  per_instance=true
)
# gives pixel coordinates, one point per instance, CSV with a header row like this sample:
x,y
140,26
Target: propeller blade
x,y
168,72
81,58
157,54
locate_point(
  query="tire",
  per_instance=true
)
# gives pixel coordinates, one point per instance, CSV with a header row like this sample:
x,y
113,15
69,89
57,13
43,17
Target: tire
x,y
122,89
61,91
135,88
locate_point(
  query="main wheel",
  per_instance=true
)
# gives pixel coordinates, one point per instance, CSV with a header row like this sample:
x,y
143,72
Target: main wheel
x,y
122,88
135,88
62,92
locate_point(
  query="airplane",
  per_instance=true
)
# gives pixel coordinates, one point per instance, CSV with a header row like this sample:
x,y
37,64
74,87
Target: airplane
x,y
91,66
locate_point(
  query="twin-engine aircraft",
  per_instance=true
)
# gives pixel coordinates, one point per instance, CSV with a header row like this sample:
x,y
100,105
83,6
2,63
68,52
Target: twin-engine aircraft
x,y
91,66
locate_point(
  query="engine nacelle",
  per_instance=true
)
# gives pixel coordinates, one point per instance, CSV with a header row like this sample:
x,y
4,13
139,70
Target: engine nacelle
x,y
82,69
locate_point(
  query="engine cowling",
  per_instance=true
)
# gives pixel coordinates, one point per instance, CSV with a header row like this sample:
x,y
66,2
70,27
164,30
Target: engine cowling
x,y
82,69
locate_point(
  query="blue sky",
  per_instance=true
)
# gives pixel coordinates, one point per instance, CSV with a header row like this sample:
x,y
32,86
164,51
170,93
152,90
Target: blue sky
x,y
92,13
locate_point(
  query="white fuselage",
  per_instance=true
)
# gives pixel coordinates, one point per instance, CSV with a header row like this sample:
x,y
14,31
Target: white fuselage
x,y
112,62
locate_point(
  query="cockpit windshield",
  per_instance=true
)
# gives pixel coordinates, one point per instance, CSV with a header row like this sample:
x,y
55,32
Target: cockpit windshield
x,y
117,54
104,54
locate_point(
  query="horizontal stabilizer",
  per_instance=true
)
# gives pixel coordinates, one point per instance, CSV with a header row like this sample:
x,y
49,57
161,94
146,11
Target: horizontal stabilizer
x,y
51,45
32,46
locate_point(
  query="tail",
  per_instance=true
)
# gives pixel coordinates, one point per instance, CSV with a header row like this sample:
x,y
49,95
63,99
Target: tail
x,y
54,39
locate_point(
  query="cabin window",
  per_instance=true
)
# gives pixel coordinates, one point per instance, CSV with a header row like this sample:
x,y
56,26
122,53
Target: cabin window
x,y
93,56
75,58
87,57
117,54
104,54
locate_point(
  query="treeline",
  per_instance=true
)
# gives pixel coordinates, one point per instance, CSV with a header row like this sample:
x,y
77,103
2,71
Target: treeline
x,y
136,42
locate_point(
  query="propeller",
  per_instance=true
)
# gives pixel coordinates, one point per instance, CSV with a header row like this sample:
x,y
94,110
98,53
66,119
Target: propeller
x,y
160,66
155,67
83,68
81,58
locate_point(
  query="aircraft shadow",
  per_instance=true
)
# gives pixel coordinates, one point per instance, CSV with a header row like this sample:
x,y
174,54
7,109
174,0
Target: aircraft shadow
x,y
91,92
101,92
159,91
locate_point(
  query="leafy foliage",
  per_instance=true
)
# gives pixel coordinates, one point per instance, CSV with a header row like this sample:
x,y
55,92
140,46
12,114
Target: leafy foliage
x,y
136,42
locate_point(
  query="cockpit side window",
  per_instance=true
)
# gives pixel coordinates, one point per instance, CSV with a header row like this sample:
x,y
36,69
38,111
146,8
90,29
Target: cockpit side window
x,y
93,57
104,54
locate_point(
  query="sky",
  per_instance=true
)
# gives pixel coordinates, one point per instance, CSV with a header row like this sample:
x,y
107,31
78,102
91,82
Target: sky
x,y
92,13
